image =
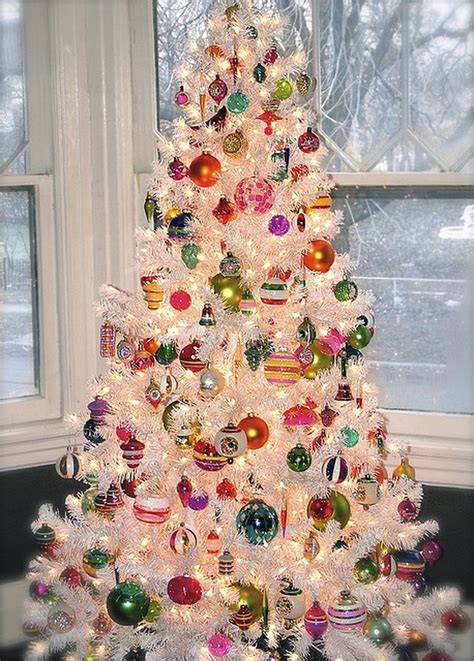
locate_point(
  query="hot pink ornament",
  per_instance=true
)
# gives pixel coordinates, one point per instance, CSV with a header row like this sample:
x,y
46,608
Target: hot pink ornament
x,y
184,590
182,97
180,300
177,169
217,89
219,645
304,355
299,415
315,621
332,343
254,195
407,509
432,551
271,55
184,489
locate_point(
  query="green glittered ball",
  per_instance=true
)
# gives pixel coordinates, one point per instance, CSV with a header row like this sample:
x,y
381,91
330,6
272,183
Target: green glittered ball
x,y
359,337
237,102
258,522
298,459
346,290
349,436
378,629
283,89
154,611
366,570
127,603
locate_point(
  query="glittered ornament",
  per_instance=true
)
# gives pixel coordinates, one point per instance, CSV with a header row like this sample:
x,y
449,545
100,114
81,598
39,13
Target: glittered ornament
x,y
127,603
345,290
315,621
320,361
61,619
432,551
177,169
182,226
180,300
378,629
206,456
152,509
230,441
282,368
238,102
230,289
183,540
256,430
182,97
224,211
217,89
235,144
259,73
319,256
335,469
154,611
308,141
274,292
290,603
366,570
204,170
359,337
226,490
142,360
278,225
258,522
346,613
211,382
219,645
298,459
407,509
199,500
254,195
304,83
184,590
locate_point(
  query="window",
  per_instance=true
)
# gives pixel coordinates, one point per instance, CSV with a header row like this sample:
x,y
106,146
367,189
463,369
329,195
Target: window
x,y
393,97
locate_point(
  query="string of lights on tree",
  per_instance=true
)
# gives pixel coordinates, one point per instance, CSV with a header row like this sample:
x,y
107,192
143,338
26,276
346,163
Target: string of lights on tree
x,y
236,500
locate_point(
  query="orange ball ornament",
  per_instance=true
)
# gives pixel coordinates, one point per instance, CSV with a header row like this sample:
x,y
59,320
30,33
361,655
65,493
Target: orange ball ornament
x,y
204,170
256,430
320,256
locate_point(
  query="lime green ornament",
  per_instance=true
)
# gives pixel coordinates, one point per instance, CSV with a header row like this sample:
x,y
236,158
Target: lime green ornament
x,y
345,290
283,89
237,102
259,73
349,436
366,570
154,611
230,289
359,337
190,255
298,459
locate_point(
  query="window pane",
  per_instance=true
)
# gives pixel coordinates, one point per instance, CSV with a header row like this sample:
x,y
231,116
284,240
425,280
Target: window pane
x,y
19,357
412,249
12,85
178,21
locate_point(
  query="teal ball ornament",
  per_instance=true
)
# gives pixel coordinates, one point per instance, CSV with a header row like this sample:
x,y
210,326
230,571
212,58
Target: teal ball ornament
x,y
238,102
298,459
258,522
127,603
359,337
349,436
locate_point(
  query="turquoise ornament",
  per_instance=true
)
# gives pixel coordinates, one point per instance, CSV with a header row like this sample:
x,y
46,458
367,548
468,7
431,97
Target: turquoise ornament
x,y
349,436
258,522
237,102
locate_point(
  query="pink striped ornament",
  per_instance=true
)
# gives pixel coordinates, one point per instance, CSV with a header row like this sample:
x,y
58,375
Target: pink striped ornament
x,y
282,368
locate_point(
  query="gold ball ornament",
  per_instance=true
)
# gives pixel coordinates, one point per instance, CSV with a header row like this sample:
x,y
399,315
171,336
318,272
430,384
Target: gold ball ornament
x,y
230,289
235,144
250,596
404,469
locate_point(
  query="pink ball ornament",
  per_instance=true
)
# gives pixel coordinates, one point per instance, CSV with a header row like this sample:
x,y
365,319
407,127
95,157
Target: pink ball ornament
x,y
254,195
182,97
407,509
219,645
180,300
332,343
177,169
432,551
184,590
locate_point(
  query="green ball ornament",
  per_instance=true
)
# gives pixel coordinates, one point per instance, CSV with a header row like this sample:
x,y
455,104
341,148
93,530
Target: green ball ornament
x,y
298,459
366,570
237,102
378,629
154,611
346,290
349,436
190,255
359,337
258,522
230,289
283,89
166,353
127,604
320,361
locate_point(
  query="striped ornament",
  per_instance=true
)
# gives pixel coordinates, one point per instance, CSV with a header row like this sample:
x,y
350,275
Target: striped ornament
x,y
69,465
335,469
346,613
322,202
207,458
274,292
183,540
282,368
410,564
152,509
315,621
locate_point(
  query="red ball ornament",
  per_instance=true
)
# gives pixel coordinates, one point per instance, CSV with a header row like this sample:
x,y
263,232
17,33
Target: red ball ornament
x,y
189,359
432,551
320,256
184,590
320,509
226,490
308,141
180,300
177,169
407,509
70,577
454,620
204,170
224,211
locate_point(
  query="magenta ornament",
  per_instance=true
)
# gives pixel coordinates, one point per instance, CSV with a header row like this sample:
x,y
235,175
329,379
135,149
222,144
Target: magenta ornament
x,y
177,169
407,509
217,89
182,97
332,343
219,645
184,489
278,225
432,551
305,356
199,500
315,621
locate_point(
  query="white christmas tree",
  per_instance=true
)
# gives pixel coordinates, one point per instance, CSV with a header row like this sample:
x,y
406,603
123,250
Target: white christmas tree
x,y
237,499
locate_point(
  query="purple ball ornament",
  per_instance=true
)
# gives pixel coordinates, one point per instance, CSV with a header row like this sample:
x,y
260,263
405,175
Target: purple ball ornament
x,y
38,590
219,645
199,500
432,551
421,584
278,225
